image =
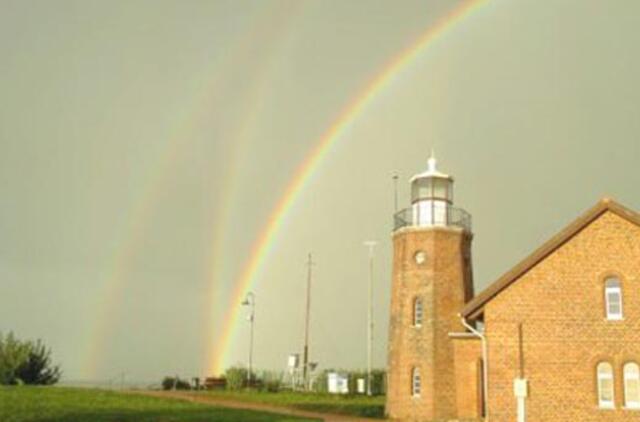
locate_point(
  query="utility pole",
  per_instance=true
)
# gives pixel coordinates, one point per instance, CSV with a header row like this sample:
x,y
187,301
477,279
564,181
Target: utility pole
x,y
371,245
305,362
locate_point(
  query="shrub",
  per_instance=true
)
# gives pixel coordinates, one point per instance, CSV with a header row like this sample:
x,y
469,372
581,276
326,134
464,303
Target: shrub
x,y
270,381
175,383
37,369
26,362
13,354
378,382
168,383
183,385
236,378
320,381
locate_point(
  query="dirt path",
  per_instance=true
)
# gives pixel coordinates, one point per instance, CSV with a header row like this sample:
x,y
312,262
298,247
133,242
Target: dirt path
x,y
236,404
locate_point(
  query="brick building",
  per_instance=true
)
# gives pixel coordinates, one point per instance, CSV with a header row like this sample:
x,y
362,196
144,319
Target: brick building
x,y
557,338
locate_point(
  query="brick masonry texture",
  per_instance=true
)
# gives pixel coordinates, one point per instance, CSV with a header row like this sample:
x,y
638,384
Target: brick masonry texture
x,y
560,304
444,284
468,377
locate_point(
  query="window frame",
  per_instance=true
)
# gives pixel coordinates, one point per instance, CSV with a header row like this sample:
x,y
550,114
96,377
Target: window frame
x,y
631,404
417,323
613,286
416,382
600,377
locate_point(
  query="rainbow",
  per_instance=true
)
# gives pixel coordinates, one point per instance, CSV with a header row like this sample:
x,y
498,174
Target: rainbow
x,y
116,278
264,243
182,132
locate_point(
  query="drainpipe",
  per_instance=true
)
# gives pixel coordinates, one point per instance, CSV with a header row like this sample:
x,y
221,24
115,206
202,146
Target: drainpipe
x,y
485,365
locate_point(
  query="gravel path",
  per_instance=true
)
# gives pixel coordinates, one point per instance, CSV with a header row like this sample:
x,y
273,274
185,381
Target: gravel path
x,y
235,404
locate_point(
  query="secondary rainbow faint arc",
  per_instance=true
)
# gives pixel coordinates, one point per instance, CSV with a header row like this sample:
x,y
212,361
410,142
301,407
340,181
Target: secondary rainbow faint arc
x,y
143,207
264,243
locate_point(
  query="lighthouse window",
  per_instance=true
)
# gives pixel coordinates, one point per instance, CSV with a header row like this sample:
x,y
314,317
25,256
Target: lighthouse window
x,y
440,188
418,312
415,382
613,299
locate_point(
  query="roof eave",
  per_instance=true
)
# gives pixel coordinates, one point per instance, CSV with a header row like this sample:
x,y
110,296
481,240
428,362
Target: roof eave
x,y
475,307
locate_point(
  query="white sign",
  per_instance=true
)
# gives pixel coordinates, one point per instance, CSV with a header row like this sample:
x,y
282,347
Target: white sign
x,y
520,387
293,361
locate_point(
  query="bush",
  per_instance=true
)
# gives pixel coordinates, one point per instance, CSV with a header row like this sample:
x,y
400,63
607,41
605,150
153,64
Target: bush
x,y
13,354
320,382
236,378
378,382
175,383
270,381
37,369
26,362
168,383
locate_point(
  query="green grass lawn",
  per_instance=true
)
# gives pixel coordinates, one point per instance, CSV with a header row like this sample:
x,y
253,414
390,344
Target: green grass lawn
x,y
372,407
31,404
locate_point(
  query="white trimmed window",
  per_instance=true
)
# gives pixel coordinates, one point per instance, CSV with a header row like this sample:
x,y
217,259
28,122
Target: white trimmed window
x,y
416,385
613,298
605,386
632,386
418,312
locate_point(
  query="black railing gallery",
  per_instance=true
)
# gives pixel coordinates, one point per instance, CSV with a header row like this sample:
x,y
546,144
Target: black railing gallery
x,y
449,216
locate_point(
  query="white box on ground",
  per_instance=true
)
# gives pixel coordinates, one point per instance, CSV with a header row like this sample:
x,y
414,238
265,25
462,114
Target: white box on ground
x,y
337,383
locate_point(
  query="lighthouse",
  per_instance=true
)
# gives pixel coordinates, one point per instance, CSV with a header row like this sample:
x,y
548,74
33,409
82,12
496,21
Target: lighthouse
x,y
431,282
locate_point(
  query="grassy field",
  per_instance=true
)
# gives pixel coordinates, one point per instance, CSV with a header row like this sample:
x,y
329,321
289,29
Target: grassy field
x,y
372,407
40,404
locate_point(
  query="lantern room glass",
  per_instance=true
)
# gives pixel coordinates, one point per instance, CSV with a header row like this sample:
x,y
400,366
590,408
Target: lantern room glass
x,y
439,188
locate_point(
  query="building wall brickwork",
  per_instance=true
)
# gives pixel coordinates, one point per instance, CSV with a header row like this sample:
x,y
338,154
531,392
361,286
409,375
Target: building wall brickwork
x,y
560,304
468,375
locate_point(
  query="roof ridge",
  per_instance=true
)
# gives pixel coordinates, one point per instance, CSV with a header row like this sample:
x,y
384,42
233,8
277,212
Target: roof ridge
x,y
474,307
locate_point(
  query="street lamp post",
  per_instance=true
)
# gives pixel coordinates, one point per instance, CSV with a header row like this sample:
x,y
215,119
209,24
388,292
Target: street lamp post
x,y
370,244
250,300
305,362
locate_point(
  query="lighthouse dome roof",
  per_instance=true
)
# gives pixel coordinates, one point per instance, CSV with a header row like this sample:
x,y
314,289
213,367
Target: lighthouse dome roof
x,y
431,171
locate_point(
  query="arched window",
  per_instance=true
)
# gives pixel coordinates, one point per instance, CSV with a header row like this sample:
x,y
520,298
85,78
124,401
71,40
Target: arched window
x,y
605,385
418,312
613,298
632,385
416,384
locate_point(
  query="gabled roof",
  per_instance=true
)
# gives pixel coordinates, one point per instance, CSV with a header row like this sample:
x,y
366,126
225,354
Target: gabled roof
x,y
474,308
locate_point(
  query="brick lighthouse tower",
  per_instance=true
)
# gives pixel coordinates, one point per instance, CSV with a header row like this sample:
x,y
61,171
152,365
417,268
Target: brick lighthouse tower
x,y
432,280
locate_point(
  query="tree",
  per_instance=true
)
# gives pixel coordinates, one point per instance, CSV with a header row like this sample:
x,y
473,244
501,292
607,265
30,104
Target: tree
x,y
236,377
13,353
26,362
37,368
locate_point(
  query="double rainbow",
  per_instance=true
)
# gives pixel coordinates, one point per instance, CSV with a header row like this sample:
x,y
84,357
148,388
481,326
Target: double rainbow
x,y
211,79
218,356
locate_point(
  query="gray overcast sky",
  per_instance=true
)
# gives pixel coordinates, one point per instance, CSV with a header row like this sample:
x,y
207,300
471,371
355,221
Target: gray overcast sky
x,y
143,145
